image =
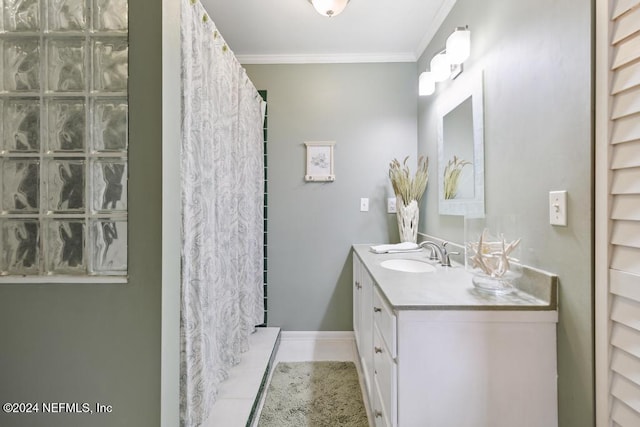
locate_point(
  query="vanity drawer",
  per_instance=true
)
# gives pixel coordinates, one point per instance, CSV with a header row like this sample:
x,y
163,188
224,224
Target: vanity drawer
x,y
380,418
385,374
384,318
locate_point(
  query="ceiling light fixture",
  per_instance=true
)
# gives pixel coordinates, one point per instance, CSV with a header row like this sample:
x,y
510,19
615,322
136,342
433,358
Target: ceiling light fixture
x,y
447,63
329,8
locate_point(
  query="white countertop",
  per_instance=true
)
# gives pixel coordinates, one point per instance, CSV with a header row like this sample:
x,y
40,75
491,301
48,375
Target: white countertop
x,y
447,288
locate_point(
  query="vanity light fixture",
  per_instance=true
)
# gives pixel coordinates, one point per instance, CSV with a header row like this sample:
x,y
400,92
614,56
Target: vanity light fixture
x,y
441,66
459,45
426,83
329,8
444,63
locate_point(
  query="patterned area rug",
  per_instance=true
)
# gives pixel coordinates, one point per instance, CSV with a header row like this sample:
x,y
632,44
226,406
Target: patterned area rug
x,y
314,394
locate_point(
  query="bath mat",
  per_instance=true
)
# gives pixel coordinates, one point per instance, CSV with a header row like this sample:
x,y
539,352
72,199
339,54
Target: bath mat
x,y
314,394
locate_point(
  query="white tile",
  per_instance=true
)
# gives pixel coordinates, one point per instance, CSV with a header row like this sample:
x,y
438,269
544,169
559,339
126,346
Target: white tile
x,y
261,344
264,337
242,383
230,413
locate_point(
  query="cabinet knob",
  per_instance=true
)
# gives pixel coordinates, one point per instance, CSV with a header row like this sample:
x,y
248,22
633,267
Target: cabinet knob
x,y
377,414
377,309
377,349
358,285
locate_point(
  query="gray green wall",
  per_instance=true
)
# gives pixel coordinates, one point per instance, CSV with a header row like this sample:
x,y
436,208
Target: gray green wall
x,y
370,111
537,61
101,343
98,342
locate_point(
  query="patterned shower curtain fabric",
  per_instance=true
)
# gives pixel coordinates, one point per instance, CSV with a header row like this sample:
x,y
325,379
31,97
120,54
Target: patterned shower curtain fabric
x,y
222,211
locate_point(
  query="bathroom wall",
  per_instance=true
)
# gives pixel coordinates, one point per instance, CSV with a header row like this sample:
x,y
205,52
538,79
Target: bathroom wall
x,y
99,342
537,61
370,111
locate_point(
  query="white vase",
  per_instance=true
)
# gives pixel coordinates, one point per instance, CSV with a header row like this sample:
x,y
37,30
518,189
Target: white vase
x,y
408,220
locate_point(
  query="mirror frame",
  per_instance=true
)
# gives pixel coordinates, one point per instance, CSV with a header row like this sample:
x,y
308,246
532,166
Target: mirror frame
x,y
465,86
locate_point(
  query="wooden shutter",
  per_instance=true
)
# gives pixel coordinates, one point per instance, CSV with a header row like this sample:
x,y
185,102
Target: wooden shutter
x,y
618,200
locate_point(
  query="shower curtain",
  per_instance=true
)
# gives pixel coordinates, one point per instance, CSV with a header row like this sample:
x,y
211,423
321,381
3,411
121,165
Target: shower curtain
x,y
222,212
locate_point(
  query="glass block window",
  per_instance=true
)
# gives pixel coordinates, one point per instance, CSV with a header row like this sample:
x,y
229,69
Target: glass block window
x,y
64,137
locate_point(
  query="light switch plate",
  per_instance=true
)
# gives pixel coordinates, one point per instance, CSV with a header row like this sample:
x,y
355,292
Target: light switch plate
x,y
391,205
558,208
364,204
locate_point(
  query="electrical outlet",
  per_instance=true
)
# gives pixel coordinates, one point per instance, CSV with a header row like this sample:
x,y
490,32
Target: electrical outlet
x,y
558,208
364,205
391,205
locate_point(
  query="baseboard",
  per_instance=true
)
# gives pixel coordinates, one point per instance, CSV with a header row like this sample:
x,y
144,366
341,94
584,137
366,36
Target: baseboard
x,y
317,336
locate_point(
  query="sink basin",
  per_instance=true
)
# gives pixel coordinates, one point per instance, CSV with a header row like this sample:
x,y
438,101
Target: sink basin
x,y
408,265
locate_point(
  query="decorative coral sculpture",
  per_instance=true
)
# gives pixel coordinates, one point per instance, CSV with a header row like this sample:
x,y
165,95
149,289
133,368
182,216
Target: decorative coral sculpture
x,y
492,257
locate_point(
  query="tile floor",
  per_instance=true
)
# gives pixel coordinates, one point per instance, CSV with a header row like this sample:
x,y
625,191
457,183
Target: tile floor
x,y
237,395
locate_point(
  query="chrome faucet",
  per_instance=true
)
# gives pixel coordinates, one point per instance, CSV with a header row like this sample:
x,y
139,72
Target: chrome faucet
x,y
435,250
438,252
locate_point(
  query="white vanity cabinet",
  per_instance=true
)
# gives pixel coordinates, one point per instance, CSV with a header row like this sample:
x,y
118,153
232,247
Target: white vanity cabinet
x,y
426,366
374,328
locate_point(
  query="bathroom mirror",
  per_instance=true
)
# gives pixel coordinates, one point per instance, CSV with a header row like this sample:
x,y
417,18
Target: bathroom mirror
x,y
461,147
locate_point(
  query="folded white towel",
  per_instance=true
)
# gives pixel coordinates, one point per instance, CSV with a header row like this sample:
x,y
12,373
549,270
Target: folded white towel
x,y
398,247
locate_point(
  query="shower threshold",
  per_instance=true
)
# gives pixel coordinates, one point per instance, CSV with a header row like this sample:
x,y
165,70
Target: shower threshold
x,y
240,395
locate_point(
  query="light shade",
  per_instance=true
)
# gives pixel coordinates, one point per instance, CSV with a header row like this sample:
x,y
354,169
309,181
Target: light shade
x,y
329,8
426,84
459,45
440,67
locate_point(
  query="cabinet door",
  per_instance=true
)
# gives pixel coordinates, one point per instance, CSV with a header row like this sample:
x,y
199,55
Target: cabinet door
x,y
385,378
357,299
363,319
380,418
366,329
502,373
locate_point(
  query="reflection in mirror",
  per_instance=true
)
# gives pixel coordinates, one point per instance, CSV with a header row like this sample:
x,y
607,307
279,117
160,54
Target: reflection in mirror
x,y
461,148
457,130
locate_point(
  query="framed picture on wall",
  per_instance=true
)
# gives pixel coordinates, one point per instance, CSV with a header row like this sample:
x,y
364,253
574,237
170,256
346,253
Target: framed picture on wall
x,y
319,161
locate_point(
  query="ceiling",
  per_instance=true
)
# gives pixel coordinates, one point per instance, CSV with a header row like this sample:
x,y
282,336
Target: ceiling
x,y
291,31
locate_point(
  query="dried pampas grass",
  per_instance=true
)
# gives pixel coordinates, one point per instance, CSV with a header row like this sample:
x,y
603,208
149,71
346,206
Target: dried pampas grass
x,y
406,188
452,176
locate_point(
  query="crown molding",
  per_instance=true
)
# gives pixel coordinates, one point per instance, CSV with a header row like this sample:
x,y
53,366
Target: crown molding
x,y
434,26
347,58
